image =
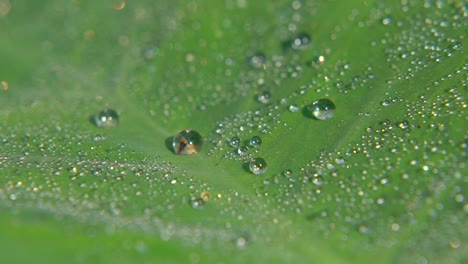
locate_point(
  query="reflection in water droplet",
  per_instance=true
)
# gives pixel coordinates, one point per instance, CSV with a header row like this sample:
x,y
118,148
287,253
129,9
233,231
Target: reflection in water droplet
x,y
301,41
234,141
187,142
322,109
197,202
258,166
106,119
293,108
255,141
257,60
264,97
242,150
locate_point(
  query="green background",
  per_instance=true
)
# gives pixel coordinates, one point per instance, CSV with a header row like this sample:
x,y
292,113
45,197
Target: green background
x,y
383,181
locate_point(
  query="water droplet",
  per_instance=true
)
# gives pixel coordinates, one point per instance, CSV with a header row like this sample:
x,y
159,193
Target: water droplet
x,y
242,150
264,97
387,21
196,202
107,118
404,125
385,103
255,141
258,166
234,141
257,60
317,180
318,61
293,108
187,142
301,41
322,109
241,242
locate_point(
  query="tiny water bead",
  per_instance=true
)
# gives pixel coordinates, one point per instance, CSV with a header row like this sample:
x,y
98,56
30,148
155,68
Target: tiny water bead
x,y
258,166
322,109
234,142
187,142
301,41
255,141
107,118
264,97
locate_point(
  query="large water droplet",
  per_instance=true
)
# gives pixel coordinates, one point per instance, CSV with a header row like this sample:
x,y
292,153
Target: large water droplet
x,y
187,142
257,60
322,109
258,166
107,118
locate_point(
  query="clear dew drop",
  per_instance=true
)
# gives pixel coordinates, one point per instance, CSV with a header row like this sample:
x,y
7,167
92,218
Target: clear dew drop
x,y
242,150
257,60
264,97
107,118
196,202
255,141
258,166
293,108
317,61
322,109
301,41
234,142
187,142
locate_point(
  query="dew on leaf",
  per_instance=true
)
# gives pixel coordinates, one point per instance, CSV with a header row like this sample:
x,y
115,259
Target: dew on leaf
x,y
321,109
196,202
317,61
264,97
293,108
242,150
258,166
257,60
234,141
107,118
255,141
187,142
301,41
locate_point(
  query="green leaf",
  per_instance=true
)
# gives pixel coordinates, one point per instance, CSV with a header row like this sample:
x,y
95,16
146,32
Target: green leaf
x,y
382,180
